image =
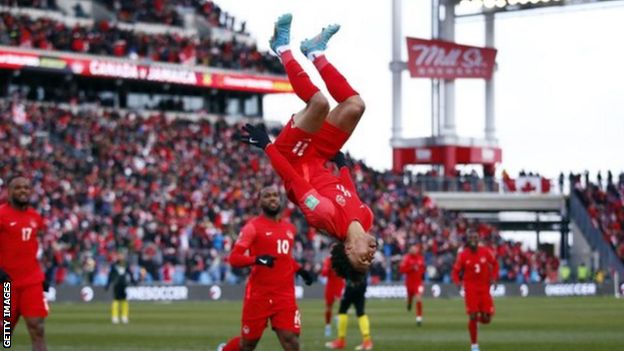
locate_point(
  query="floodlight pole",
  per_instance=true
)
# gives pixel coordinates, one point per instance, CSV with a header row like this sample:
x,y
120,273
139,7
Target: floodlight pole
x,y
396,67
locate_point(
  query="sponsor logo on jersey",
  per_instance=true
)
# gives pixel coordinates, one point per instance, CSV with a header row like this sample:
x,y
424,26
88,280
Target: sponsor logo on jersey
x,y
12,224
269,233
245,329
311,202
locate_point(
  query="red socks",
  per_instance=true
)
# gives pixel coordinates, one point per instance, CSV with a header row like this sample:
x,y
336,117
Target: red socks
x,y
233,344
336,83
472,328
299,79
328,317
419,308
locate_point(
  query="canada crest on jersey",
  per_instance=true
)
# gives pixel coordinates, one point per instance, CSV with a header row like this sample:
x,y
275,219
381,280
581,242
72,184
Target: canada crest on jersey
x,y
33,224
340,200
482,259
290,235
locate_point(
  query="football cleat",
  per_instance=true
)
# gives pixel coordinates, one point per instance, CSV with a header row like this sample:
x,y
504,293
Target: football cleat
x,y
281,32
365,345
319,42
337,344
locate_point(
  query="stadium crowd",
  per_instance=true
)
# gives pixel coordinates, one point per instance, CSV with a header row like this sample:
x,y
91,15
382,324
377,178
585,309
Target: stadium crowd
x,y
159,190
105,38
604,201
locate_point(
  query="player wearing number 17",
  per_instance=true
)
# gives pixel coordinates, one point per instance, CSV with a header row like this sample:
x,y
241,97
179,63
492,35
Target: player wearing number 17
x,y
19,226
270,290
479,269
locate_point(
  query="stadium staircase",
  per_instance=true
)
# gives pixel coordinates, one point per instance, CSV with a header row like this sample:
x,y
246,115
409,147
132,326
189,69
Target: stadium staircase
x,y
608,260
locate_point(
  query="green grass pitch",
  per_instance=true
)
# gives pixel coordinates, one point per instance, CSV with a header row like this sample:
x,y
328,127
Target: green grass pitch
x,y
541,324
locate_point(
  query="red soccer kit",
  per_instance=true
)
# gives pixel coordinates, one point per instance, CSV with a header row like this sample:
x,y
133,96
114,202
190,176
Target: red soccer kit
x,y
413,266
479,269
335,284
18,258
270,292
329,203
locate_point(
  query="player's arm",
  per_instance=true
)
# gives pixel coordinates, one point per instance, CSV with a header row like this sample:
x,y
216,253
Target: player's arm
x,y
305,275
111,277
239,257
258,137
4,276
457,269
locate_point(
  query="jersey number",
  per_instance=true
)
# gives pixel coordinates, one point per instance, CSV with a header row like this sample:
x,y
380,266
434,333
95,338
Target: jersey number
x,y
477,268
26,232
346,192
283,246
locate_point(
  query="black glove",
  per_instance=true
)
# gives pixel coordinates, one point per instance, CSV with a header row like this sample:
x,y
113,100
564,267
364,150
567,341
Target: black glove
x,y
46,286
265,260
306,276
255,136
4,277
339,159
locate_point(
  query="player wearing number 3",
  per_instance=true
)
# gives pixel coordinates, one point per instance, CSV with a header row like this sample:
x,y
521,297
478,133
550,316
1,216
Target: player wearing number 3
x,y
479,269
270,290
313,136
19,226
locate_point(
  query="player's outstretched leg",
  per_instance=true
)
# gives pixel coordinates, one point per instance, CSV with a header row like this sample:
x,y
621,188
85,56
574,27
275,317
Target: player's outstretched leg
x,y
350,105
313,115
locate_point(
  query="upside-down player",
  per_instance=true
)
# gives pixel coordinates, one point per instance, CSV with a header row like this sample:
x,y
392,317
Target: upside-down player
x,y
270,290
479,269
413,266
333,290
313,136
20,225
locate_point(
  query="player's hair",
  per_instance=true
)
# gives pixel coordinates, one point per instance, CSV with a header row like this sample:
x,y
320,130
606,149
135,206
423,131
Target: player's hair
x,y
341,264
14,176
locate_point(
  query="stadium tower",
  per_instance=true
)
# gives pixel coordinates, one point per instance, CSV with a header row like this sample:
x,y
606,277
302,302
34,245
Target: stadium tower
x,y
442,60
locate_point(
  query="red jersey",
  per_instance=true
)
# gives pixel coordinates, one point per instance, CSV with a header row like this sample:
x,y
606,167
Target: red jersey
x,y
264,236
342,192
413,266
340,201
19,245
334,281
479,268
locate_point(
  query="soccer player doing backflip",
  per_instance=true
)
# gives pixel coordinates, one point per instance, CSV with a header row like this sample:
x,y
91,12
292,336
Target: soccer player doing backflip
x,y
313,136
479,269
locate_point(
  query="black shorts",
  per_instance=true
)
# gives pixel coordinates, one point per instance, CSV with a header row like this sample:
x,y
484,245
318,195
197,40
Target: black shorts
x,y
353,294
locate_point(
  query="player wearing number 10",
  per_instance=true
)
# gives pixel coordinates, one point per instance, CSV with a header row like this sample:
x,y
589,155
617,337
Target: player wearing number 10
x,y
479,269
270,290
19,226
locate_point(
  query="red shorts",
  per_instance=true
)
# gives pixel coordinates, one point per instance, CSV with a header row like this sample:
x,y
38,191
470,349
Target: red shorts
x,y
415,289
333,293
284,315
479,301
27,301
297,145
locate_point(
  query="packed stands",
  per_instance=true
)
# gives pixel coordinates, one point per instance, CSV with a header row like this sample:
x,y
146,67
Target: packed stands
x,y
110,39
161,189
604,201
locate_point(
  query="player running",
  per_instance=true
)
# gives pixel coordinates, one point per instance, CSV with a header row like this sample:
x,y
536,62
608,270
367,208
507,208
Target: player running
x,y
19,226
333,290
270,290
479,269
413,266
312,136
